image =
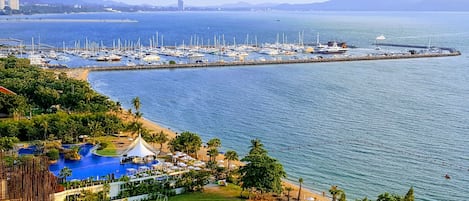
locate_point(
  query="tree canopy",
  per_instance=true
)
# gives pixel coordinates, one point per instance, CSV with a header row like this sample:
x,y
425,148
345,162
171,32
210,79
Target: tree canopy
x,y
261,172
186,142
45,91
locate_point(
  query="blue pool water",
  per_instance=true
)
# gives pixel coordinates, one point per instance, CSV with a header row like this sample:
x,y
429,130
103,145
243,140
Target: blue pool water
x,y
90,165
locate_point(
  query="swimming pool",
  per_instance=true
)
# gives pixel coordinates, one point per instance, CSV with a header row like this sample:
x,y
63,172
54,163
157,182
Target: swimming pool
x,y
91,165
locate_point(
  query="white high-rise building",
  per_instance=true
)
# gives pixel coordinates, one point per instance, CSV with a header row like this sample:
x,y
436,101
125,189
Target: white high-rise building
x,y
15,4
2,4
181,5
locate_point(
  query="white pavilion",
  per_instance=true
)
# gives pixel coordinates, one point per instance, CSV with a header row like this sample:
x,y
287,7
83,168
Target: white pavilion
x,y
139,152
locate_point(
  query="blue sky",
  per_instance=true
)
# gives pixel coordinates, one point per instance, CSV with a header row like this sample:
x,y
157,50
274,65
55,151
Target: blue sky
x,y
213,2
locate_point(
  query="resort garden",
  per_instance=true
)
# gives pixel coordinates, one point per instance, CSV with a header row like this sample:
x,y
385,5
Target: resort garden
x,y
46,109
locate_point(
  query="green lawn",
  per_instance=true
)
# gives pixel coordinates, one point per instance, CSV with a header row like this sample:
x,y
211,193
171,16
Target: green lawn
x,y
110,150
230,192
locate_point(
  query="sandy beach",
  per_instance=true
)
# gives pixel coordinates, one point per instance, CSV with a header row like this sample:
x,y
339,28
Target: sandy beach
x,y
306,194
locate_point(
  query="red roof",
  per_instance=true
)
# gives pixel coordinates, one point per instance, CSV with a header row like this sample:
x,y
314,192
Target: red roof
x,y
6,91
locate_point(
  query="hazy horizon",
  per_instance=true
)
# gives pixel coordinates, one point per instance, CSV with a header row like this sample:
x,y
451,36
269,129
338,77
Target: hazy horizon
x,y
215,3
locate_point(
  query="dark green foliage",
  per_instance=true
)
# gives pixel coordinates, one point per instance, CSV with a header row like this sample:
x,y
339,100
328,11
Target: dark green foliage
x,y
389,197
261,172
7,143
103,145
11,103
187,142
53,154
195,180
67,127
410,195
41,90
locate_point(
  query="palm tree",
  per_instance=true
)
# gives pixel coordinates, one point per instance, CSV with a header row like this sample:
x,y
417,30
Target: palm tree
x,y
213,152
106,188
257,147
335,191
343,197
136,103
214,143
95,129
65,172
299,191
410,195
288,189
161,138
231,156
45,126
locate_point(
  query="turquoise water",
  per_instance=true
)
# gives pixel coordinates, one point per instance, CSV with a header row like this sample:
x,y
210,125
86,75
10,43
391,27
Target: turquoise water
x,y
368,127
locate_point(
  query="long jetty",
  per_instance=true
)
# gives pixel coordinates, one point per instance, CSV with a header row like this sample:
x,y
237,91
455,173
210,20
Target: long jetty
x,y
271,62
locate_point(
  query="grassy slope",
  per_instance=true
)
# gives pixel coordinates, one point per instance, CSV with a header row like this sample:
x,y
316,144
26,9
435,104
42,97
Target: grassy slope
x,y
110,150
230,192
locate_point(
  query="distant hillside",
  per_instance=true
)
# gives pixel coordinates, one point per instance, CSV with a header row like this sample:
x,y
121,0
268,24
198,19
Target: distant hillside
x,y
374,5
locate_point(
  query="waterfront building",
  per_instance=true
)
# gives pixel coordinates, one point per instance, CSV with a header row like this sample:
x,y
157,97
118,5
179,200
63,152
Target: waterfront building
x,y
15,4
2,4
181,5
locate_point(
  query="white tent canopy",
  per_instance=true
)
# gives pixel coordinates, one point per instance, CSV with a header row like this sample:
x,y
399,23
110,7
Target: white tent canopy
x,y
140,148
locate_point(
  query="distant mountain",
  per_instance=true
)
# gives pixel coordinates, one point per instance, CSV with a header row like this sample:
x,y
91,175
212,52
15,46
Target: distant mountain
x,y
334,5
243,4
375,5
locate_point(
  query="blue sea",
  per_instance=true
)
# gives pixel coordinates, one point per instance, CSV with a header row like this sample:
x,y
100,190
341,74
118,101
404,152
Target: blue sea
x,y
368,127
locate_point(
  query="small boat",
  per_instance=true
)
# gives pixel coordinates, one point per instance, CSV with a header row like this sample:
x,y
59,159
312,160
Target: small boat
x,y
447,176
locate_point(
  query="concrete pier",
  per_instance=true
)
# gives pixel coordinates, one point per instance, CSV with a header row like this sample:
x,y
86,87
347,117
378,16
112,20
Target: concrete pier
x,y
295,61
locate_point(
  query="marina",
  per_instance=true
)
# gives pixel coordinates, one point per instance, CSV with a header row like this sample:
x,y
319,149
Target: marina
x,y
128,55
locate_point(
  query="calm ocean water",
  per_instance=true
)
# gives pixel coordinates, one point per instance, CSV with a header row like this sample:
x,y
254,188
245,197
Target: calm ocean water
x,y
368,127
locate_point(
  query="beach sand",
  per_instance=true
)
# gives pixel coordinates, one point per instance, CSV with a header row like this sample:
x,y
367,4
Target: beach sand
x,y
306,194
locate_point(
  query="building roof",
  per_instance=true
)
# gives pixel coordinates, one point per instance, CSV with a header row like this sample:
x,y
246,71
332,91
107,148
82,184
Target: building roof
x,y
140,148
6,91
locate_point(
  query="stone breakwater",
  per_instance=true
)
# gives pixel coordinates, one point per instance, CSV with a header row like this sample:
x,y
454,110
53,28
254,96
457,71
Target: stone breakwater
x,y
270,62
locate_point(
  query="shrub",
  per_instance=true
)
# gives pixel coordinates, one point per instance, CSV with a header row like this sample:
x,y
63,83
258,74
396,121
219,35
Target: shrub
x,y
103,145
53,154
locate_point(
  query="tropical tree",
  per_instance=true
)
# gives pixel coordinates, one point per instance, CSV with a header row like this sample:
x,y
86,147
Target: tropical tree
x,y
96,129
106,189
161,138
45,127
261,172
213,153
187,142
288,189
389,197
65,172
410,195
231,156
257,147
300,180
136,103
214,143
343,197
7,143
335,192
